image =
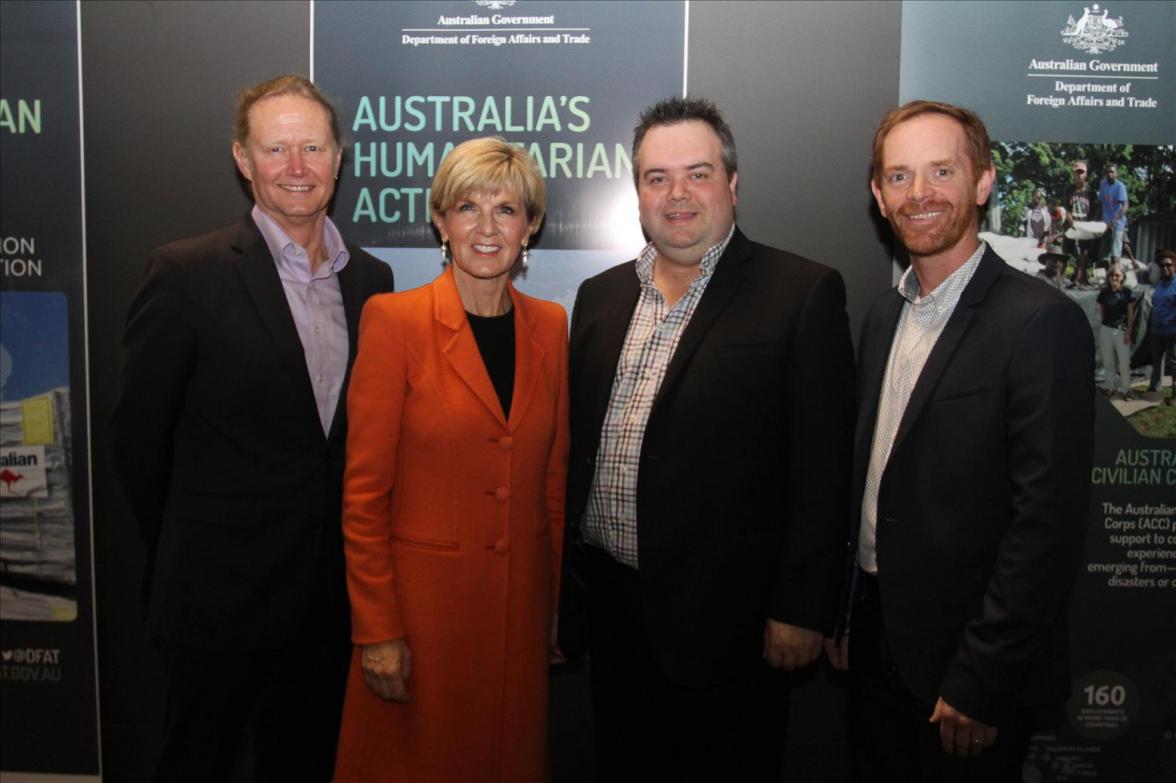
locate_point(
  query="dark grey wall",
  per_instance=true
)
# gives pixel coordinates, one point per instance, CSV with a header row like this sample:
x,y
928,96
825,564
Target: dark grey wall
x,y
802,85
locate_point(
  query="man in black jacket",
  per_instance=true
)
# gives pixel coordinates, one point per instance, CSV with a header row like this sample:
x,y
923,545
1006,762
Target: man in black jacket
x,y
971,476
712,396
230,437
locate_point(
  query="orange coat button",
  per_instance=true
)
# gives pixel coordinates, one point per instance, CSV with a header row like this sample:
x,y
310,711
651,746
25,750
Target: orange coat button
x,y
502,494
505,443
501,546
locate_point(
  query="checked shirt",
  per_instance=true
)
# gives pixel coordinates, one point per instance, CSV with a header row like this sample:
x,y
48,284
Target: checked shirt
x,y
610,520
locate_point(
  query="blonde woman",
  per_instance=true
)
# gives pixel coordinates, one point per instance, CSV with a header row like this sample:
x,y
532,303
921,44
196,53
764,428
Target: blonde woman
x,y
453,497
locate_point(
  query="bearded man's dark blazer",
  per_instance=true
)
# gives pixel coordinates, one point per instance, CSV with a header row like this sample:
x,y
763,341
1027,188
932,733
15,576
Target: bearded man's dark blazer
x,y
983,503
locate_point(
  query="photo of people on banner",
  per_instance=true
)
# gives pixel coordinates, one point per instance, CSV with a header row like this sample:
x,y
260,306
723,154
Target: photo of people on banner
x,y
1096,222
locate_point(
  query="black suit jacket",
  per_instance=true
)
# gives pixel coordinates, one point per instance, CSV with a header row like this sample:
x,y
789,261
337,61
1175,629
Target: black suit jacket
x,y
236,490
745,461
983,503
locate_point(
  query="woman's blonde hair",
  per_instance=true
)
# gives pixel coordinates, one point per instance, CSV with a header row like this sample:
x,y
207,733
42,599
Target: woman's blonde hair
x,y
487,166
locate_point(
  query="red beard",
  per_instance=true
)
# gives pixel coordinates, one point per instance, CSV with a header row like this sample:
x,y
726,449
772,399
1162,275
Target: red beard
x,y
933,236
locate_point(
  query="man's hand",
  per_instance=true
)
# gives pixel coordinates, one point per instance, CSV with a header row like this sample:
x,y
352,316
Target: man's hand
x,y
790,647
386,668
960,735
838,652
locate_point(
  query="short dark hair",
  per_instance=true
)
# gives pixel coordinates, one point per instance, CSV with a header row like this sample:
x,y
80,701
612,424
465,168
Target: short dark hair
x,y
979,151
286,84
672,111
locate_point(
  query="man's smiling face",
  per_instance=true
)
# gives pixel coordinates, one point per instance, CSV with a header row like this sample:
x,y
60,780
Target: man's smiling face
x,y
927,188
686,200
290,159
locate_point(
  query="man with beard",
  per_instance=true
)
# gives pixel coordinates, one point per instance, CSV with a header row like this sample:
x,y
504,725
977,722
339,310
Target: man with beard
x,y
971,476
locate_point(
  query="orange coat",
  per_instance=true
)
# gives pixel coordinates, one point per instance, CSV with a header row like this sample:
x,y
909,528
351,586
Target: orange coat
x,y
453,526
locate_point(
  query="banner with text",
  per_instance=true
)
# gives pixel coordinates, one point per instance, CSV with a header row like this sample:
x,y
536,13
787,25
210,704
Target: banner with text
x,y
566,81
48,688
1068,90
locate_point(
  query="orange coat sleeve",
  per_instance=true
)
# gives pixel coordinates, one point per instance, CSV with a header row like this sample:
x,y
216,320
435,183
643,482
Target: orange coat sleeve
x,y
375,404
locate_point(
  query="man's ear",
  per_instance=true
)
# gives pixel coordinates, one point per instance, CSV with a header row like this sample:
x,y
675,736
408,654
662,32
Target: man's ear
x,y
984,184
244,165
878,197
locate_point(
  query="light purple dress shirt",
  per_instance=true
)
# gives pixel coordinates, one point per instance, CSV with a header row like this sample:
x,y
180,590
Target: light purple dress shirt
x,y
316,304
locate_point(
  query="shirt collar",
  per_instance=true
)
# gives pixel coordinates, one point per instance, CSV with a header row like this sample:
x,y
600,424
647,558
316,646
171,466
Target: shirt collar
x,y
279,241
951,287
706,266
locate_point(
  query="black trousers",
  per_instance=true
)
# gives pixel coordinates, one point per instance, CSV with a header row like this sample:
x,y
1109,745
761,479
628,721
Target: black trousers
x,y
649,728
891,738
1163,359
294,696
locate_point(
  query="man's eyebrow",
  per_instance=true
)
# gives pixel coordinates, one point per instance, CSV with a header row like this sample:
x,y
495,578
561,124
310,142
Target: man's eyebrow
x,y
690,167
906,167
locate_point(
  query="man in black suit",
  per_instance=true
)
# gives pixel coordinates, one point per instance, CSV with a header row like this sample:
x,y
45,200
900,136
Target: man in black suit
x,y
971,476
711,388
230,437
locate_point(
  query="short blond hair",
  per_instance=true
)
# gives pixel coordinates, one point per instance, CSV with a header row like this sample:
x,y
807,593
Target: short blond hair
x,y
489,165
286,84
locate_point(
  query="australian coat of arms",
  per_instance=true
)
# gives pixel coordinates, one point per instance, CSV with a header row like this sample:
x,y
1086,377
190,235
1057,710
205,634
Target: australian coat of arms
x,y
1095,31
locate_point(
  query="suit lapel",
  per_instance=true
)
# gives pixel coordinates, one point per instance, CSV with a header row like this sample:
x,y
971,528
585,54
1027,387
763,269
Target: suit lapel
x,y
875,352
354,296
353,300
945,347
602,343
529,356
259,273
724,282
459,347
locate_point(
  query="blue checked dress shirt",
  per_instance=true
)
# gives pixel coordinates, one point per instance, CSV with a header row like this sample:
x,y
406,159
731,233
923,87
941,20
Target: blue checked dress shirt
x,y
610,520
